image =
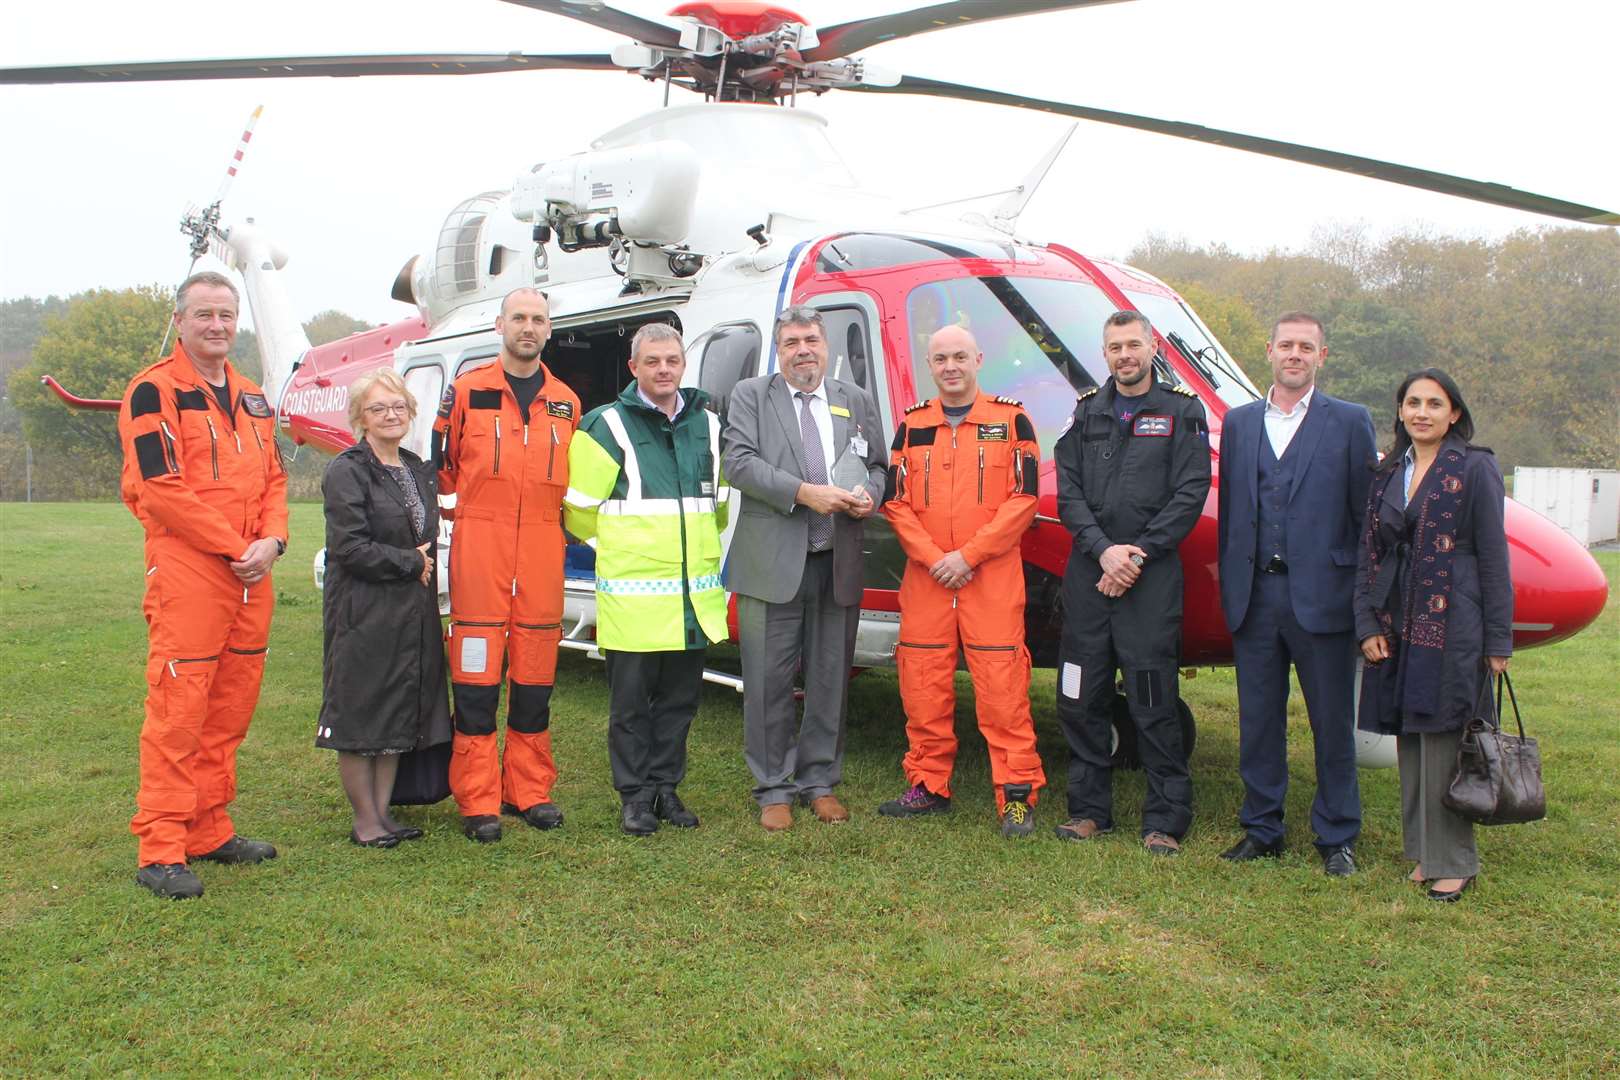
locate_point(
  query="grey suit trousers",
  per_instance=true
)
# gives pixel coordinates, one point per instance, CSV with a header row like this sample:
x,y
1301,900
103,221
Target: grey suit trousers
x,y
788,757
1439,838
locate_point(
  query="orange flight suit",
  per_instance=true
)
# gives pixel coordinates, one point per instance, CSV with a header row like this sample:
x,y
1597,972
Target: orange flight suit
x,y
970,489
204,483
509,473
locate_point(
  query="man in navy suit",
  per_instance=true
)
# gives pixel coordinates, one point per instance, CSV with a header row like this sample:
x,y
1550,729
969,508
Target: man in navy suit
x,y
1294,473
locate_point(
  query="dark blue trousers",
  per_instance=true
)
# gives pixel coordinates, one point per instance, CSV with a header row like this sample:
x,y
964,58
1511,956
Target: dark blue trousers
x,y
1267,643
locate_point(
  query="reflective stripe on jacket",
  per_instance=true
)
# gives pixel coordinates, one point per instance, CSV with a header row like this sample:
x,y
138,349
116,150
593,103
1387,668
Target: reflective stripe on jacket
x,y
647,491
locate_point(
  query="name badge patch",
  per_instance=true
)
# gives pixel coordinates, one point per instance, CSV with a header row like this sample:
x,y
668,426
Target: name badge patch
x,y
564,409
255,405
838,410
992,432
1161,426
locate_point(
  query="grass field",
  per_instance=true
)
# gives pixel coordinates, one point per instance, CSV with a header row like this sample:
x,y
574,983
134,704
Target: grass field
x,y
882,948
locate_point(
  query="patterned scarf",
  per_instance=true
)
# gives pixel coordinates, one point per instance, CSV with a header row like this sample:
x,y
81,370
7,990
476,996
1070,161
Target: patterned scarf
x,y
1427,597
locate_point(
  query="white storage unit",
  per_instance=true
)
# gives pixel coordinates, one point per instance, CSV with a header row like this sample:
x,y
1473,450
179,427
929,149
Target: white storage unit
x,y
1583,502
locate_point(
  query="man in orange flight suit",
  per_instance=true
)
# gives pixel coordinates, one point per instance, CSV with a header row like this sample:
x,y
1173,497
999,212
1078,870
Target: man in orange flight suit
x,y
203,476
501,446
962,484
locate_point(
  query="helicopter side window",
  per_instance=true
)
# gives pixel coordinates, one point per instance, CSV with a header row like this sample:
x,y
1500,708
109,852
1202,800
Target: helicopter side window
x,y
425,381
849,354
731,353
476,358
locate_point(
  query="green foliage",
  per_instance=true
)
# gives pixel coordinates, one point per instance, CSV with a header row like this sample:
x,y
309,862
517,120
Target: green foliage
x,y
330,325
878,948
1529,326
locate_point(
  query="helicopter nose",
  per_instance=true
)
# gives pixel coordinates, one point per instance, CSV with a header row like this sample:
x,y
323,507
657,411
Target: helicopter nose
x,y
1558,588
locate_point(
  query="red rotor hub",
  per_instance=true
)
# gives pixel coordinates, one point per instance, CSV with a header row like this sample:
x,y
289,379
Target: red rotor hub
x,y
738,18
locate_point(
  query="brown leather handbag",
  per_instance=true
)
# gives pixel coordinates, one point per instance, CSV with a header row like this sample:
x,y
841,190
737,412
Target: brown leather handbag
x,y
1498,778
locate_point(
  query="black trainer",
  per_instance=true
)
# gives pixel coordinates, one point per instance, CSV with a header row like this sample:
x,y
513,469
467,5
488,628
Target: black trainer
x,y
637,818
1017,815
239,850
542,815
172,881
917,800
484,828
668,807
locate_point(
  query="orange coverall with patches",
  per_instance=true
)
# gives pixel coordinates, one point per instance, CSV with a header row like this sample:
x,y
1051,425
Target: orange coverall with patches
x,y
971,489
509,473
204,483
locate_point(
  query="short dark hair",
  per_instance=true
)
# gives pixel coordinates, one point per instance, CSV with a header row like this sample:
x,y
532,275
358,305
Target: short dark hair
x,y
1125,318
1463,428
654,332
797,315
1299,316
204,277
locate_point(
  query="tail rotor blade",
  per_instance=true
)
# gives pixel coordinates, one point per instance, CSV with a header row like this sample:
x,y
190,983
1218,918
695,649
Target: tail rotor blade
x,y
236,160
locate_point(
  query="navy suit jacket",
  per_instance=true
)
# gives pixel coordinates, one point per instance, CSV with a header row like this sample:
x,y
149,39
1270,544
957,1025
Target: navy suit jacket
x,y
1332,472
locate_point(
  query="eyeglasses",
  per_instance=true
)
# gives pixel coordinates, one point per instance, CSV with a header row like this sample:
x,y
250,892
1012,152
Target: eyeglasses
x,y
398,409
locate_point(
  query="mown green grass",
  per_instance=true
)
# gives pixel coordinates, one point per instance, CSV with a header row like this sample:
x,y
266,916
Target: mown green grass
x,y
877,949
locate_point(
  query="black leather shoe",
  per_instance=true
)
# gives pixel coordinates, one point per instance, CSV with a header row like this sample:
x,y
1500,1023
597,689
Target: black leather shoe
x,y
386,840
637,819
1338,861
1249,848
668,807
172,881
1450,896
408,832
239,849
542,815
484,828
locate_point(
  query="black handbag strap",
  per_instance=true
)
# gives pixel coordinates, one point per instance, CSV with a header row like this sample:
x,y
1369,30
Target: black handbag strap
x,y
1501,681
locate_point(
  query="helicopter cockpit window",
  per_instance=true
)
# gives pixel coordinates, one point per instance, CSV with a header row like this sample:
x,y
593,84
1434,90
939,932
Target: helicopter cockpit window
x,y
872,251
848,352
1177,323
1041,339
731,353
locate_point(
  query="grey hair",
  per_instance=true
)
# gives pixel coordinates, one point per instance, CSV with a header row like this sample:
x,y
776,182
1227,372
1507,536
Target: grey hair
x,y
655,332
1125,318
797,315
205,277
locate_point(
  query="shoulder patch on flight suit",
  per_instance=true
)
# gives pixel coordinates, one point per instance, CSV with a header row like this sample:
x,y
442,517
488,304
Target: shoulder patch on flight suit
x,y
145,399
447,400
923,404
564,409
255,405
191,399
1155,425
483,399
1023,428
992,432
1007,401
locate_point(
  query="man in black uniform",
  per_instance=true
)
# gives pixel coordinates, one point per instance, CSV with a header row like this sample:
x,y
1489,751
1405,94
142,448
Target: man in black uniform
x,y
1133,473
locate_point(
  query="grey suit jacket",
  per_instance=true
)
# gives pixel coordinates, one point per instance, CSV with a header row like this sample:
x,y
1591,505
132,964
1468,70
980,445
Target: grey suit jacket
x,y
763,457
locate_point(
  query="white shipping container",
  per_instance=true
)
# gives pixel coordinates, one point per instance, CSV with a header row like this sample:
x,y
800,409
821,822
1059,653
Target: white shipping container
x,y
1583,502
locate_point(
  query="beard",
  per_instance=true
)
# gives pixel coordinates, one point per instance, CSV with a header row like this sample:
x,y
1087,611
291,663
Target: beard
x,y
1132,380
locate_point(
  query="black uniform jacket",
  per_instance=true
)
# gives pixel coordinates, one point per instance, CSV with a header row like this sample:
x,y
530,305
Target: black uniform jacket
x,y
383,666
1144,485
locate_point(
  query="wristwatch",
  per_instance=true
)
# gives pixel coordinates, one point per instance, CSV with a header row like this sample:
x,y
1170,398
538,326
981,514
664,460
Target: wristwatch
x,y
281,546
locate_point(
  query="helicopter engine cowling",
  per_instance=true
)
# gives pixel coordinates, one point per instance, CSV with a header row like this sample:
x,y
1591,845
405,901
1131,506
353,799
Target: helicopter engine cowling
x,y
643,193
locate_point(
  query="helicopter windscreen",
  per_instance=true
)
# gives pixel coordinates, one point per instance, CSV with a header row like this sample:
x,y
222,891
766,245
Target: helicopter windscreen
x,y
1172,318
1041,339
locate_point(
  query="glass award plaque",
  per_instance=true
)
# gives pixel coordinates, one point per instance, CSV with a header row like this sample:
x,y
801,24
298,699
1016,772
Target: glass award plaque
x,y
849,471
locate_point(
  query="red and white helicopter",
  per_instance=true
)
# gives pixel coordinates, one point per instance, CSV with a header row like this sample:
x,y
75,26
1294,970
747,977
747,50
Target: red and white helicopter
x,y
713,216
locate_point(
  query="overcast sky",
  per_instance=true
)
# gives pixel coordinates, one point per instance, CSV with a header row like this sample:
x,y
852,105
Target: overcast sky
x,y
353,176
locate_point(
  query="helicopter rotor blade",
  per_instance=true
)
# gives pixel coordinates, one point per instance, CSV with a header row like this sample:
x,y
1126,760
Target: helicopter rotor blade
x,y
600,15
852,37
285,67
1444,183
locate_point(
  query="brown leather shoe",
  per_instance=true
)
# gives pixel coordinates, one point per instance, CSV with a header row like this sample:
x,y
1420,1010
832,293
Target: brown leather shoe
x,y
1158,843
829,810
1080,829
776,817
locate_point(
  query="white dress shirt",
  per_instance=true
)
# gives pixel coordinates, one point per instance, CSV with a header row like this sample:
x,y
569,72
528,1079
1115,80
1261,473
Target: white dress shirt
x,y
823,418
1281,427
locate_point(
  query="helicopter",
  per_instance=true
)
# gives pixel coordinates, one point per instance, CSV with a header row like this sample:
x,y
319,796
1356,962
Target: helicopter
x,y
713,216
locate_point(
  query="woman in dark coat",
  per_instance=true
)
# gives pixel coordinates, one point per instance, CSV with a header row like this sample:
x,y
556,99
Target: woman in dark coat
x,y
383,670
1434,613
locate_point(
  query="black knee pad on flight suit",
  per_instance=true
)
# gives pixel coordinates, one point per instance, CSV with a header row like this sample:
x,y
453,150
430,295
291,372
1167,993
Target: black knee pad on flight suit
x,y
528,709
475,708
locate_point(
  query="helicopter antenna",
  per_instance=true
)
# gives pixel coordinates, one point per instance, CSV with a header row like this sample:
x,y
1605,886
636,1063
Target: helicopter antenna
x,y
1005,216
203,225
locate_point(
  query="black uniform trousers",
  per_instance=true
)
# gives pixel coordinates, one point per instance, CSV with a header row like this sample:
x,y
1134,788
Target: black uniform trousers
x,y
1139,634
652,697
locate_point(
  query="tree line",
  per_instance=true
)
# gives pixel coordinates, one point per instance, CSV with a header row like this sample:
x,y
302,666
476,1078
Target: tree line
x,y
1529,325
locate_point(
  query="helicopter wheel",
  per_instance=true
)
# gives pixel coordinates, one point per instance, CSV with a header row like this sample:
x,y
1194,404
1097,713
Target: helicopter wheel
x,y
1127,755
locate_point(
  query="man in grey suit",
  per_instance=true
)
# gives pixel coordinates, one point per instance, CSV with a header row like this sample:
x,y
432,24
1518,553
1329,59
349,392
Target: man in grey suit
x,y
795,563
